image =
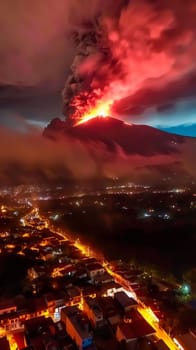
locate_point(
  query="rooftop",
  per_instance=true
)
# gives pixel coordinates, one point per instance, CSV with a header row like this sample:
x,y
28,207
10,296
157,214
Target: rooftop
x,y
6,304
94,266
38,324
78,319
137,327
94,305
124,300
108,306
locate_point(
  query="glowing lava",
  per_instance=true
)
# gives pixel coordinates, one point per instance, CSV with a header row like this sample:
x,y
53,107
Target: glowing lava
x,y
102,109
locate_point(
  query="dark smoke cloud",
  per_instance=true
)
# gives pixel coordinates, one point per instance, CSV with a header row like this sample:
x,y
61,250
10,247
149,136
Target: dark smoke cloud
x,y
164,98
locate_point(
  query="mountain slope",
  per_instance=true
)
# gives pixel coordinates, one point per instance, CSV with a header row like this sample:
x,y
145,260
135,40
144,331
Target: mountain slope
x,y
133,139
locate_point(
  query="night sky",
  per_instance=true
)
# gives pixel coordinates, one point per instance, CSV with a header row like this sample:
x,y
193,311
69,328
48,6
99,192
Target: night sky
x,y
141,56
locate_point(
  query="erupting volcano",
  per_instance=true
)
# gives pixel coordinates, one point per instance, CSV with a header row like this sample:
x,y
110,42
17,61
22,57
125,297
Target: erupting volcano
x,y
113,63
115,134
101,109
97,77
96,82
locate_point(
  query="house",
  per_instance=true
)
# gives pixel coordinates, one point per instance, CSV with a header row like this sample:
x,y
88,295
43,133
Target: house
x,y
103,278
10,321
39,331
74,294
77,326
133,329
81,274
37,306
110,288
95,269
88,261
64,270
110,310
93,311
7,308
56,300
125,302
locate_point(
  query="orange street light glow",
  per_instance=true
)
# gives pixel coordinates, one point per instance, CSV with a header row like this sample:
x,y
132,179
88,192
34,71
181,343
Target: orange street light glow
x,y
146,312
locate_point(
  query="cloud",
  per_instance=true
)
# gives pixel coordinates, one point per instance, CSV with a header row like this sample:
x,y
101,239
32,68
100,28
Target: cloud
x,y
176,114
36,46
163,98
31,158
25,110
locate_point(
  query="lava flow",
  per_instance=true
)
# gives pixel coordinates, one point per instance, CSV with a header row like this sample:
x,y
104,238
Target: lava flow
x,y
101,110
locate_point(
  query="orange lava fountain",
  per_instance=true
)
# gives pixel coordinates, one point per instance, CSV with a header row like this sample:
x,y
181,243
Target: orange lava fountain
x,y
102,109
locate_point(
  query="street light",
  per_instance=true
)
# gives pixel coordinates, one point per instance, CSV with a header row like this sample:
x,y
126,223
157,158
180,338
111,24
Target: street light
x,y
185,289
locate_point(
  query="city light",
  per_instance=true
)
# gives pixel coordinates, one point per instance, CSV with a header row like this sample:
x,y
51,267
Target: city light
x,y
34,219
185,289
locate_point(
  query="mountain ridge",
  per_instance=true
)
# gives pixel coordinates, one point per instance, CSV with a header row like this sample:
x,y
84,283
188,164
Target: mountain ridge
x,y
132,138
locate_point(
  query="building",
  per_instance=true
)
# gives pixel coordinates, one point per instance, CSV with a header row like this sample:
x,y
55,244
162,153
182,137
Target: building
x,y
93,311
74,294
55,302
39,332
7,308
133,329
65,270
11,321
77,326
9,318
95,269
110,311
103,278
110,288
126,303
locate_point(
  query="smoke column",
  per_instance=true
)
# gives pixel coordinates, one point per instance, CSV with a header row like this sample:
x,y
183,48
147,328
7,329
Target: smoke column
x,y
78,91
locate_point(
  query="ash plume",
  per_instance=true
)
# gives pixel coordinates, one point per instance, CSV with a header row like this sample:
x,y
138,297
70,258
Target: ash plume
x,y
83,87
145,45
